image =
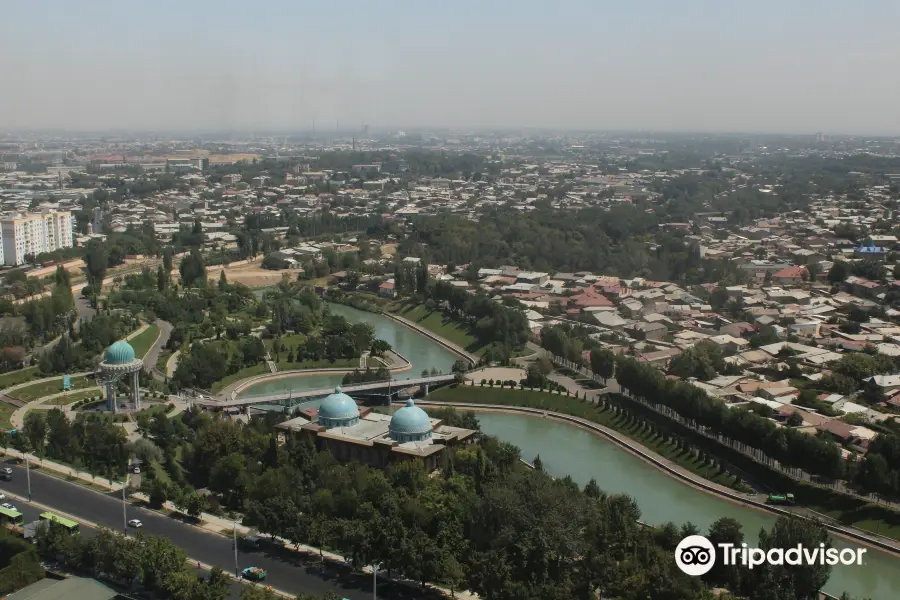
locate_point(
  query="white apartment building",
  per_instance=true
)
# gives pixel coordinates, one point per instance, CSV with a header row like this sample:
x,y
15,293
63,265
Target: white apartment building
x,y
33,234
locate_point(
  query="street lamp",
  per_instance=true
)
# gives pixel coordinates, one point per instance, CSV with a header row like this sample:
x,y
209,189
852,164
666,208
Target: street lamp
x,y
234,543
124,503
28,476
375,580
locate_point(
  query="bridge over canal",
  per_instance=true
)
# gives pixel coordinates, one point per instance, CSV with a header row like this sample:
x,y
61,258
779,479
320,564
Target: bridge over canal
x,y
385,388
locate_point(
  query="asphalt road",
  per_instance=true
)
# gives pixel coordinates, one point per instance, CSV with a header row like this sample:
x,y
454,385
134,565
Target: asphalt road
x,y
165,330
287,571
31,513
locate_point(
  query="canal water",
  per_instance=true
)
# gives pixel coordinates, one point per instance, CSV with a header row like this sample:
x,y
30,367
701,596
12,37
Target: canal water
x,y
569,450
419,350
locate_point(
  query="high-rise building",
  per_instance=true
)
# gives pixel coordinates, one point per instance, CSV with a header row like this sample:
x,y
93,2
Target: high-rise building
x,y
34,233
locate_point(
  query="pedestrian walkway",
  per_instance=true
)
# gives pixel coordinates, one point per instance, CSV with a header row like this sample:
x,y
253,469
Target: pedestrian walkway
x,y
172,363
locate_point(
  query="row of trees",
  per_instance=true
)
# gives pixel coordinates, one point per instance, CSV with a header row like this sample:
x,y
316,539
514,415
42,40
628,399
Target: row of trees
x,y
491,322
791,448
153,564
90,441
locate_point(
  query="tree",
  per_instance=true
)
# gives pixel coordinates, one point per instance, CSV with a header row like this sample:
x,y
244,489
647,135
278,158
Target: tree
x,y
162,279
379,347
35,431
791,581
795,420
603,362
192,269
97,260
858,314
839,272
725,530
194,504
764,336
167,261
160,558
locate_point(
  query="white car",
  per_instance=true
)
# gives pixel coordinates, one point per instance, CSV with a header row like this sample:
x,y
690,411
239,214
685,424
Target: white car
x,y
135,523
2,496
7,506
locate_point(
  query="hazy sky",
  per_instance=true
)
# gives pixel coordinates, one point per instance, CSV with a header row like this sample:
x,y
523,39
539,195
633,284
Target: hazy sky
x,y
718,65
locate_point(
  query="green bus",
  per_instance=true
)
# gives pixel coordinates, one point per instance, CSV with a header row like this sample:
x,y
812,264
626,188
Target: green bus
x,y
11,517
70,525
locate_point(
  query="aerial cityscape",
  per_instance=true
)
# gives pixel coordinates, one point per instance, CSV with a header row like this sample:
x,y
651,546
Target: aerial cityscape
x,y
403,304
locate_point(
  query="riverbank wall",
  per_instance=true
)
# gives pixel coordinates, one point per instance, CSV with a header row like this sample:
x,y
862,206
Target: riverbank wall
x,y
405,365
649,457
471,358
457,350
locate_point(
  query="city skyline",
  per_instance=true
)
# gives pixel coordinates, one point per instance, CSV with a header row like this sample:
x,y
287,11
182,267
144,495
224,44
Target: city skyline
x,y
581,66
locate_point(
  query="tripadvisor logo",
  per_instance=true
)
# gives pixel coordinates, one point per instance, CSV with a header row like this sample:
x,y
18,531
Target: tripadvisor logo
x,y
696,555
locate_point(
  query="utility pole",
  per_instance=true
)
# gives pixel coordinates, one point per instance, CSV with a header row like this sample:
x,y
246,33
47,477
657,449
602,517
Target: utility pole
x,y
374,581
234,542
124,504
28,476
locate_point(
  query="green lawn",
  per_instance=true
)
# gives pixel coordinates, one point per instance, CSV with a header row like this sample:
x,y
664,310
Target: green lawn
x,y
142,342
579,408
6,411
45,388
72,398
257,369
16,377
438,324
341,363
162,359
288,341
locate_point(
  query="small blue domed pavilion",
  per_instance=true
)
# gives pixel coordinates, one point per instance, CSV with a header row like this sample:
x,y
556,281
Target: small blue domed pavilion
x,y
120,362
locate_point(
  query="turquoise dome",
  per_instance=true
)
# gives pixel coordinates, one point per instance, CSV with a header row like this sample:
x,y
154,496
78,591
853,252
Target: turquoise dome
x,y
338,410
120,353
410,424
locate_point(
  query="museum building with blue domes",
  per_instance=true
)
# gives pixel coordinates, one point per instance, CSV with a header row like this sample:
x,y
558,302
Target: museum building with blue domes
x,y
354,433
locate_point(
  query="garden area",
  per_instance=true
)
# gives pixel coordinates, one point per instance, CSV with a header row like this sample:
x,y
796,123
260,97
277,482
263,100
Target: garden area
x,y
437,323
144,340
21,376
6,411
46,388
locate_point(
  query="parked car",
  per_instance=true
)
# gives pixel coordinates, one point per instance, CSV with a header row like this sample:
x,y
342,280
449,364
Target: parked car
x,y
8,506
254,573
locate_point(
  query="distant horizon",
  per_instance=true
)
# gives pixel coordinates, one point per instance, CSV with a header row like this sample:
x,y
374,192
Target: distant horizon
x,y
647,65
374,131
